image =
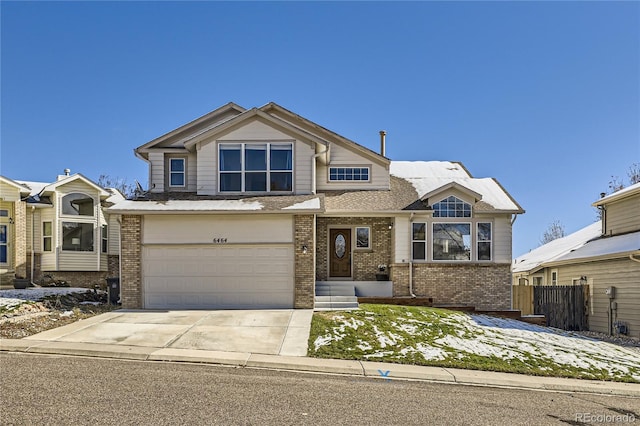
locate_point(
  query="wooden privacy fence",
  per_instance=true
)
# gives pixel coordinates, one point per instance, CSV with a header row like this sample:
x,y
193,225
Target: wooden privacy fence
x,y
564,307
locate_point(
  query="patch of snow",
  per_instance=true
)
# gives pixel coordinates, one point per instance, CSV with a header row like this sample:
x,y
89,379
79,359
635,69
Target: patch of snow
x,y
379,354
430,352
363,346
322,341
312,204
66,314
186,205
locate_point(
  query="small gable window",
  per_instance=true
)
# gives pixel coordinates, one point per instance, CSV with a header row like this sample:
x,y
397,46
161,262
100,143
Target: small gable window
x,y
452,207
77,204
177,172
340,174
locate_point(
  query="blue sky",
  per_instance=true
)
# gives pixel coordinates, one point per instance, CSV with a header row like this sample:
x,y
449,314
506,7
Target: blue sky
x,y
543,96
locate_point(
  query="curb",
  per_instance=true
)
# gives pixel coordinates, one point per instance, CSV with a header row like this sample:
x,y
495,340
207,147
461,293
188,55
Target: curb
x,y
369,369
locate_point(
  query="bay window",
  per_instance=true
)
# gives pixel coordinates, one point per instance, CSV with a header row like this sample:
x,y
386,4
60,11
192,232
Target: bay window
x,y
255,167
77,236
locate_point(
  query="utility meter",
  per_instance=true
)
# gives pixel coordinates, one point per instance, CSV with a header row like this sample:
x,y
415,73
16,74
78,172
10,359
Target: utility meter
x,y
611,292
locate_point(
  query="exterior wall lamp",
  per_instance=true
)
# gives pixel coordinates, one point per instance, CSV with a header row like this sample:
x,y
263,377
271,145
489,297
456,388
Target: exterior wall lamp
x,y
304,249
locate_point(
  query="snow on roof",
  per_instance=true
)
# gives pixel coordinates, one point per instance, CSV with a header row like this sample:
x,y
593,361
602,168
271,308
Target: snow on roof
x,y
35,187
312,204
605,246
186,205
556,248
428,176
621,193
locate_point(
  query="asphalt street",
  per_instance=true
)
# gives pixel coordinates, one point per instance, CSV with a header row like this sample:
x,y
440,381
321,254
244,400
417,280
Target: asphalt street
x,y
48,389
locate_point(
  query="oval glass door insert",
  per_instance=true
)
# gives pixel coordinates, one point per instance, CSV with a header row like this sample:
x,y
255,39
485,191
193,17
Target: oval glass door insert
x,y
341,246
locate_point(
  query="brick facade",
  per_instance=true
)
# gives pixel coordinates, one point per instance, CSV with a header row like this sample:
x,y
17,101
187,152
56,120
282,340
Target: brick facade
x,y
20,239
88,279
304,265
484,286
365,262
131,262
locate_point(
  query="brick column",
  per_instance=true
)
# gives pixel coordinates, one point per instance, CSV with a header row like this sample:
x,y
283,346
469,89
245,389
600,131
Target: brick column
x,y
131,279
20,239
304,262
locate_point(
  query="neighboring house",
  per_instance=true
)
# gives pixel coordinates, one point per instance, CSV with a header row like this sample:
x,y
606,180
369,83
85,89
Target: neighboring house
x,y
604,254
253,208
59,229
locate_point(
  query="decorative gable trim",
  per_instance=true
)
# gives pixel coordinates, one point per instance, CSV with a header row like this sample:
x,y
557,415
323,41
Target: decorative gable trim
x,y
449,187
53,186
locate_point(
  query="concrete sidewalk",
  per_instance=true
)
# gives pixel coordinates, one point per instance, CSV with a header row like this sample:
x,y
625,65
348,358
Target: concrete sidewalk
x,y
378,370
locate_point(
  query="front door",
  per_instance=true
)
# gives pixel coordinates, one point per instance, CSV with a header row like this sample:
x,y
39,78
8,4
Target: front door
x,y
340,253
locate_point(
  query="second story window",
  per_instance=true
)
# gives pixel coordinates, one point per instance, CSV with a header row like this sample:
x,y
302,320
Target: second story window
x,y
177,172
256,167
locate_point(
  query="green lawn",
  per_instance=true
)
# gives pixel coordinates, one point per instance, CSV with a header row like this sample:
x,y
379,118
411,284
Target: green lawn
x,y
439,337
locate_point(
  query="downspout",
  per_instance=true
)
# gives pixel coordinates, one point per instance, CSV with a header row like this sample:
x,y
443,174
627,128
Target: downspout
x,y
515,216
313,168
633,258
411,258
33,243
119,220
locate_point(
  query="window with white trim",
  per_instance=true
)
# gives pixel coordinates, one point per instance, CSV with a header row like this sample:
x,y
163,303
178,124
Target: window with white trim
x,y
484,241
47,236
77,236
177,172
105,240
341,174
363,240
451,207
451,241
77,204
554,277
419,241
255,167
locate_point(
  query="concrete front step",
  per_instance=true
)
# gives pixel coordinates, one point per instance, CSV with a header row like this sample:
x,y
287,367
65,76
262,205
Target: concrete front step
x,y
335,303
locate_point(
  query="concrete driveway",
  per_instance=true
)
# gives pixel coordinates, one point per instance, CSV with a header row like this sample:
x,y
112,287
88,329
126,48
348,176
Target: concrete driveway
x,y
270,332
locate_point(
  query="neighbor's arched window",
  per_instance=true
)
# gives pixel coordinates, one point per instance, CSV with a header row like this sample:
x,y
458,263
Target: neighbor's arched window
x,y
452,207
77,204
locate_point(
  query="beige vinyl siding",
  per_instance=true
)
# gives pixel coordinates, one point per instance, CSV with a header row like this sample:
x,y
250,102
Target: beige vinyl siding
x,y
202,229
156,162
207,168
113,235
302,167
8,192
343,157
624,274
48,259
192,173
70,261
622,216
502,238
402,244
34,231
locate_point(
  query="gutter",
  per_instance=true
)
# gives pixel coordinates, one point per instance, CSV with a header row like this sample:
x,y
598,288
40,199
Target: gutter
x,y
633,258
137,154
411,293
313,167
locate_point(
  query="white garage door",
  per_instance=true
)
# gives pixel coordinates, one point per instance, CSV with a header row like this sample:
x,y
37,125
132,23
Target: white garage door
x,y
218,277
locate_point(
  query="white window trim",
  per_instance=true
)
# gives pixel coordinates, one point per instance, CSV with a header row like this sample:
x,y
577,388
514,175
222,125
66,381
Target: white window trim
x,y
329,180
104,239
268,170
552,272
426,238
93,225
368,228
50,237
184,172
478,241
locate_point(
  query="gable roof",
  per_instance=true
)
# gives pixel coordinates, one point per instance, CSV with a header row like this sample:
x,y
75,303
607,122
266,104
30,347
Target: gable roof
x,y
601,248
618,195
20,187
553,250
428,177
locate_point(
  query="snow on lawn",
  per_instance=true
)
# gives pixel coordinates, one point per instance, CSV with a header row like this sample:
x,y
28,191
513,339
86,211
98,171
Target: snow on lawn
x,y
13,298
439,337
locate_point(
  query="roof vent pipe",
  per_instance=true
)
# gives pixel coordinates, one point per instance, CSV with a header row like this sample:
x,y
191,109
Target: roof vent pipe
x,y
67,172
383,143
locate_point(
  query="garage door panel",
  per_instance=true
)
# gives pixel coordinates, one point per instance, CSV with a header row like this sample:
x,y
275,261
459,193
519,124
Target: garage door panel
x,y
220,277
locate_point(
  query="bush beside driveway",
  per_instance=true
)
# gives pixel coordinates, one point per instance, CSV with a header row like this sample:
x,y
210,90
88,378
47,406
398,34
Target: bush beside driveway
x,y
439,337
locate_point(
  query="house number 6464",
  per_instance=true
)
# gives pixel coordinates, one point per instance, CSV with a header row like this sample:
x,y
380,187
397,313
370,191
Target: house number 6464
x,y
219,240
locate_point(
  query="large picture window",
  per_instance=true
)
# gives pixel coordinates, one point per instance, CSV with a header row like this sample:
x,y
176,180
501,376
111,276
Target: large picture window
x,y
77,236
451,241
253,167
77,204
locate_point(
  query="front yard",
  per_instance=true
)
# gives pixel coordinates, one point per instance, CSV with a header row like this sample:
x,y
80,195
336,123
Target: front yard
x,y
439,337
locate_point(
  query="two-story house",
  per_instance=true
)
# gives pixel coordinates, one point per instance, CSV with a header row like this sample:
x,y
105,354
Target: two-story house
x,y
59,229
257,208
605,255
